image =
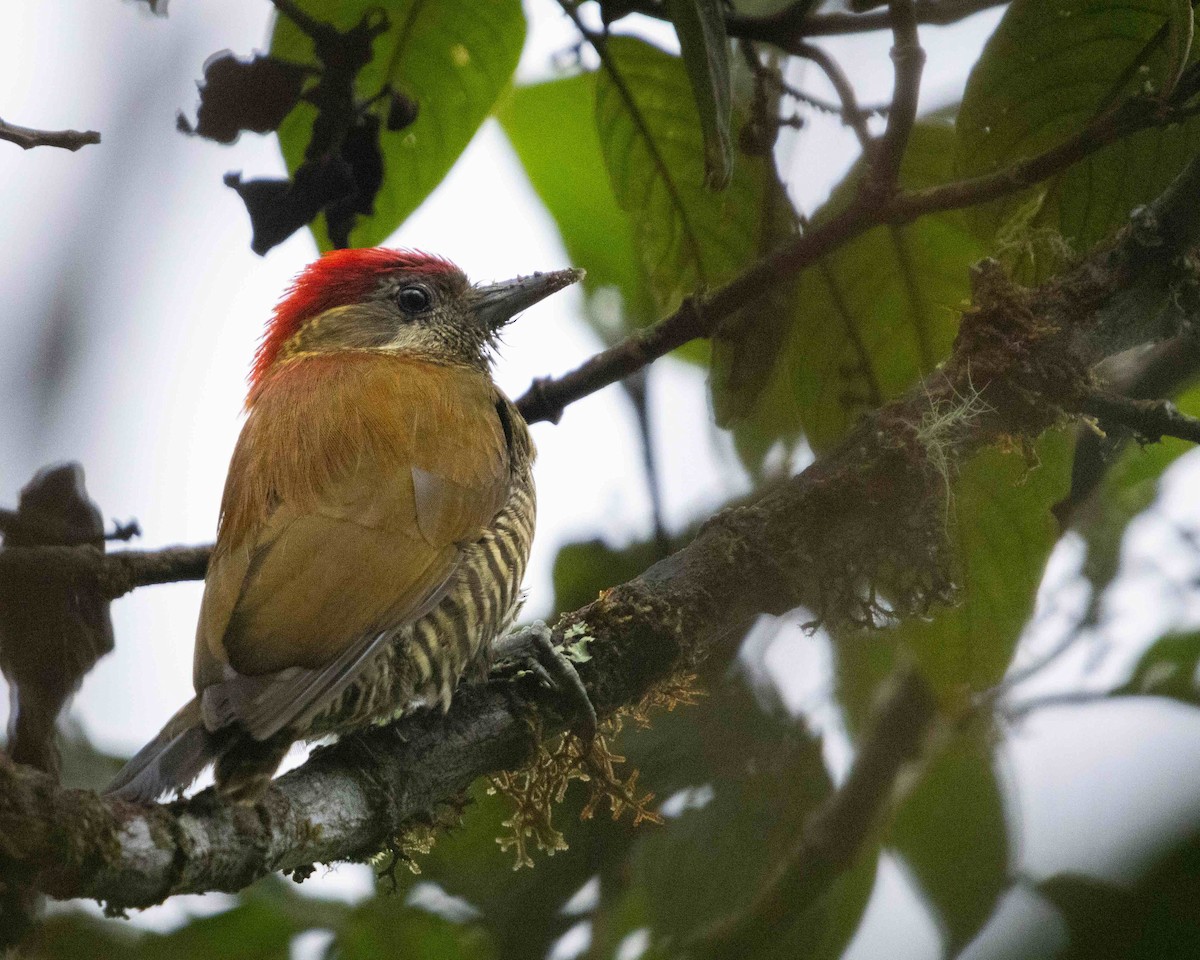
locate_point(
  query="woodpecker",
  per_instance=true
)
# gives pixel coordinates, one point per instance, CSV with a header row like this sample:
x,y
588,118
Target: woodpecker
x,y
375,525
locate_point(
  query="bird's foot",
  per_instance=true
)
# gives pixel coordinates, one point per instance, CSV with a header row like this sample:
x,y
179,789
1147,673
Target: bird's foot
x,y
534,649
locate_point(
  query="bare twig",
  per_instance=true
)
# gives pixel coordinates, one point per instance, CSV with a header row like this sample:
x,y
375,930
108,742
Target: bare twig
x,y
852,114
27,138
1105,129
1018,712
112,574
1150,420
909,60
698,317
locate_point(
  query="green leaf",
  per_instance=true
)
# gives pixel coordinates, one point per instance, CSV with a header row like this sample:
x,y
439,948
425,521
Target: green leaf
x,y
1045,72
1002,532
520,909
872,317
1128,487
385,927
582,570
453,57
951,831
1168,668
700,26
1154,917
551,127
687,238
751,777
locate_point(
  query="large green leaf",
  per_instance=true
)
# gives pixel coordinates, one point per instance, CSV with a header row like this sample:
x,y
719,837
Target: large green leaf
x,y
553,131
1002,532
384,928
752,778
520,909
1129,486
453,57
951,832
1045,72
687,237
870,318
1168,668
700,26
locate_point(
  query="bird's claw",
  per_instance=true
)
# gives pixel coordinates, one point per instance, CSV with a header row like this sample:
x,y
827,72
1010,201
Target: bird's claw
x,y
534,646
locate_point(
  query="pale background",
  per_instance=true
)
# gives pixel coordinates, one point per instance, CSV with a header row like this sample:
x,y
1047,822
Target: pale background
x,y
127,280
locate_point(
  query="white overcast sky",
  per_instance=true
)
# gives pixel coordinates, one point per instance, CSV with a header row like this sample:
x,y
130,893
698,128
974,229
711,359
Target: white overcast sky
x,y
175,301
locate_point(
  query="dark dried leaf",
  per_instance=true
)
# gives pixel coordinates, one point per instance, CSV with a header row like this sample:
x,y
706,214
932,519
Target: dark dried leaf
x,y
278,208
242,95
402,111
362,154
51,632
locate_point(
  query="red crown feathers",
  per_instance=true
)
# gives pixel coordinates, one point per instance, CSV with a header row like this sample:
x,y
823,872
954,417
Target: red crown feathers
x,y
338,278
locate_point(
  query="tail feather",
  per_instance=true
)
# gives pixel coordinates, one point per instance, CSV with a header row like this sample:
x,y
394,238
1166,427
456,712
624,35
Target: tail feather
x,y
171,761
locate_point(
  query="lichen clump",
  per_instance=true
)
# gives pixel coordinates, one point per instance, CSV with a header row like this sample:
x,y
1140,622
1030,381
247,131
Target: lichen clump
x,y
536,789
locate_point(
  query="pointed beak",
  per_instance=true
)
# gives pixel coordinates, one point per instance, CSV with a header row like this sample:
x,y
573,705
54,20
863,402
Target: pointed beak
x,y
497,303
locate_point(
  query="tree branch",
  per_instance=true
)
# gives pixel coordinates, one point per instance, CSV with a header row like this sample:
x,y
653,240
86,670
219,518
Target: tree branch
x,y
852,114
111,575
27,138
699,316
1150,420
795,22
908,60
870,512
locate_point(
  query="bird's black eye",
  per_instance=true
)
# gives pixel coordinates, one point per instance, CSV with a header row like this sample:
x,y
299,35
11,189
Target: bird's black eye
x,y
414,299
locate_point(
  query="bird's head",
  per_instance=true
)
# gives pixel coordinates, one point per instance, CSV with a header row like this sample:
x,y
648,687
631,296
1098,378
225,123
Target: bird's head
x,y
395,300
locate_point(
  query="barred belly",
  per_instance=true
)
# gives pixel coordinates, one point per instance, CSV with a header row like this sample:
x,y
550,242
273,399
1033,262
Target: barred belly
x,y
425,660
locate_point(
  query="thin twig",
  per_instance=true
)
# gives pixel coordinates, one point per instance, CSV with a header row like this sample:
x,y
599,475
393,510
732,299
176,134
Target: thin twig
x,y
1017,712
1150,420
852,114
1106,129
699,316
908,60
111,574
27,138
